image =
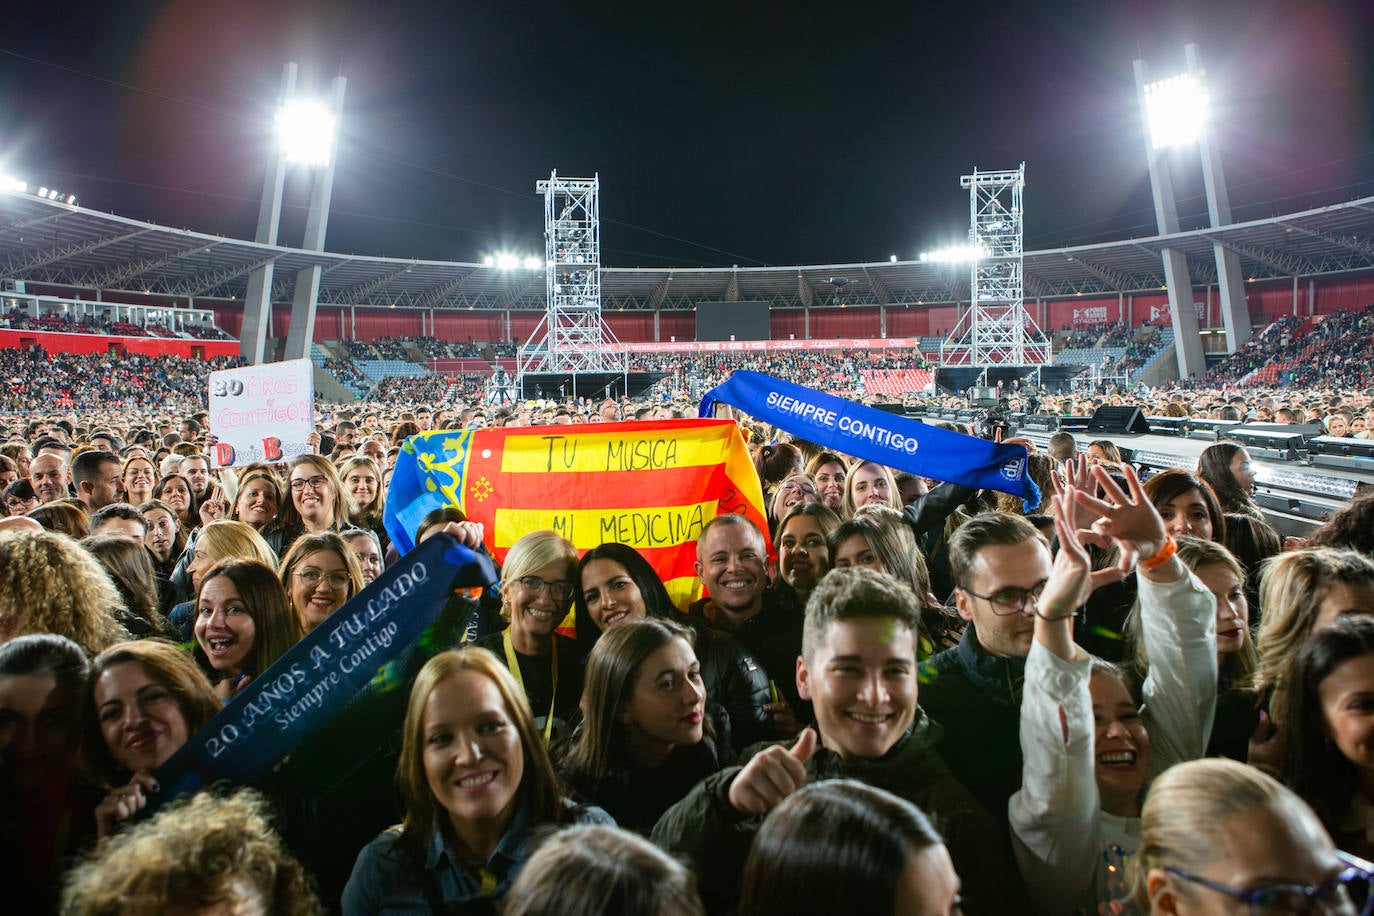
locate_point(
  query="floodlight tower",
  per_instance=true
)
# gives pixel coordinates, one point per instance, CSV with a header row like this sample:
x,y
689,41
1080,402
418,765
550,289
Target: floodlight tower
x,y
996,330
571,337
306,136
1175,115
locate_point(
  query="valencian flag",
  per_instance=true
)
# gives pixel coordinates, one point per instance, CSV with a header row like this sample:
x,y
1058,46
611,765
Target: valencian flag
x,y
652,485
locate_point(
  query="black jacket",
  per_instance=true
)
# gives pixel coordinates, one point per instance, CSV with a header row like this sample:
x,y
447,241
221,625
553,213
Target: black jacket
x,y
637,798
977,698
735,684
707,829
772,637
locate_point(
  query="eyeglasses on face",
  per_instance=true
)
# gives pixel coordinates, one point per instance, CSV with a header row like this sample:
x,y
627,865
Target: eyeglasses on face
x,y
313,577
560,590
1346,893
1011,600
315,483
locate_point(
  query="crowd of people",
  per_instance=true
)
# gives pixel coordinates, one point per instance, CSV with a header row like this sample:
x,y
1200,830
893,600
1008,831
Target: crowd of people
x,y
906,695
1334,350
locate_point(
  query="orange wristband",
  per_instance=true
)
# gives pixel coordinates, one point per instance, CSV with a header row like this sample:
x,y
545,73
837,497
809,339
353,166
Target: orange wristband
x,y
1162,556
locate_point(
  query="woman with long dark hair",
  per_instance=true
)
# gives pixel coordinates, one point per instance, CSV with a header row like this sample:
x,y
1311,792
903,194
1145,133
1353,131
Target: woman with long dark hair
x,y
616,585
1329,760
1227,468
643,743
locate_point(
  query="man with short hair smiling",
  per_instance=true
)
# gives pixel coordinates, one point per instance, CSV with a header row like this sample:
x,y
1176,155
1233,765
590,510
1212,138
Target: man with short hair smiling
x,y
49,477
858,667
732,563
999,563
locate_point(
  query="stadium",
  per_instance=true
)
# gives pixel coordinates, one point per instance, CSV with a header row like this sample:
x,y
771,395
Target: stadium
x,y
1024,573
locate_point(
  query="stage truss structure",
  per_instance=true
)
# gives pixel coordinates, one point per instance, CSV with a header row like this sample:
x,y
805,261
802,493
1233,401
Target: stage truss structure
x,y
571,338
996,331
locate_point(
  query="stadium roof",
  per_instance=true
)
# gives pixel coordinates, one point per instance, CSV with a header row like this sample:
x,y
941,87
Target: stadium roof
x,y
49,242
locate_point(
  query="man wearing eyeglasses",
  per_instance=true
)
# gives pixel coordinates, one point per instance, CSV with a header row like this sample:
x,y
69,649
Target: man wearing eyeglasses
x,y
1000,564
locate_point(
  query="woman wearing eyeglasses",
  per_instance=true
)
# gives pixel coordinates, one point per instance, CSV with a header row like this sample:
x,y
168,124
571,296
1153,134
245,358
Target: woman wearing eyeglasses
x,y
320,572
536,593
317,503
1219,838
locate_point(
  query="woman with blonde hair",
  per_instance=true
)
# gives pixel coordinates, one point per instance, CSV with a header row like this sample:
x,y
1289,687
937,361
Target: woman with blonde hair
x,y
49,584
476,783
1221,837
139,476
1301,592
222,539
362,485
537,586
869,483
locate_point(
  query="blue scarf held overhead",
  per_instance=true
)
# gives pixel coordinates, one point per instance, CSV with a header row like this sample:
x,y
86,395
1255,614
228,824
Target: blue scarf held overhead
x,y
876,435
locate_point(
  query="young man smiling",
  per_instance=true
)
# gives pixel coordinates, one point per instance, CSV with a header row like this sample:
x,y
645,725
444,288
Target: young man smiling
x,y
858,669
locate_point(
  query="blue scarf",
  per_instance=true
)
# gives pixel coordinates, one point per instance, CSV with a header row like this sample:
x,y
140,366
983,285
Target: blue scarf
x,y
317,678
876,435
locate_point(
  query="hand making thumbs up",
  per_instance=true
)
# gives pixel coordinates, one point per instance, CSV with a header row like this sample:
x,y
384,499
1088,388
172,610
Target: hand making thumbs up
x,y
772,775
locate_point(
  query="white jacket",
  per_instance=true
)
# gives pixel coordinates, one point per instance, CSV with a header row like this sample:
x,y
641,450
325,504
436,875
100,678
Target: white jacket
x,y
1071,854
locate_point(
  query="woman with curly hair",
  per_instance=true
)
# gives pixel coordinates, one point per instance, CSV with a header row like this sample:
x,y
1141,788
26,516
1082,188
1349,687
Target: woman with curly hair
x,y
208,854
48,584
1351,527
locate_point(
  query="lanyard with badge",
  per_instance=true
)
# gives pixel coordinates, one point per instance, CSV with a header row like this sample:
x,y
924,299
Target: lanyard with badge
x,y
514,665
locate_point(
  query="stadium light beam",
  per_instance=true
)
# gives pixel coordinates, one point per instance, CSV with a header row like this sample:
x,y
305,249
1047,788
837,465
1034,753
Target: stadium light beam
x,y
955,254
1176,109
305,129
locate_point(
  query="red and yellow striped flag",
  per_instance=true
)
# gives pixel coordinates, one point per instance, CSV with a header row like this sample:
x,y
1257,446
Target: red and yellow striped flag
x,y
651,485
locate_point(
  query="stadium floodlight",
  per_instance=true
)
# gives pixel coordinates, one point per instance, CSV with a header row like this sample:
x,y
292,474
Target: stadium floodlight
x,y
42,191
305,129
1176,109
14,185
488,261
534,263
892,259
955,254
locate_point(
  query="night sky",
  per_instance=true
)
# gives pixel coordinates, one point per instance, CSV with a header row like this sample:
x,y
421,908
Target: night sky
x,y
724,133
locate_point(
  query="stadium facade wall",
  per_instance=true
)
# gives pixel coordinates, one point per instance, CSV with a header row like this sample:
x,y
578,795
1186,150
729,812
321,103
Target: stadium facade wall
x,y
100,343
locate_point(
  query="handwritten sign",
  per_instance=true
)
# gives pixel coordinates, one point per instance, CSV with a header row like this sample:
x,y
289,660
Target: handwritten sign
x,y
262,413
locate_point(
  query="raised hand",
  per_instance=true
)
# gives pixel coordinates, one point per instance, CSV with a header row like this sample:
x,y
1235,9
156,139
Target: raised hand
x,y
773,774
1077,473
1131,521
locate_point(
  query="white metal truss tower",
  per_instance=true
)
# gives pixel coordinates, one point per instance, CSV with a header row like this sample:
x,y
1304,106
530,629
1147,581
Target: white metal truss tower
x,y
571,336
996,330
